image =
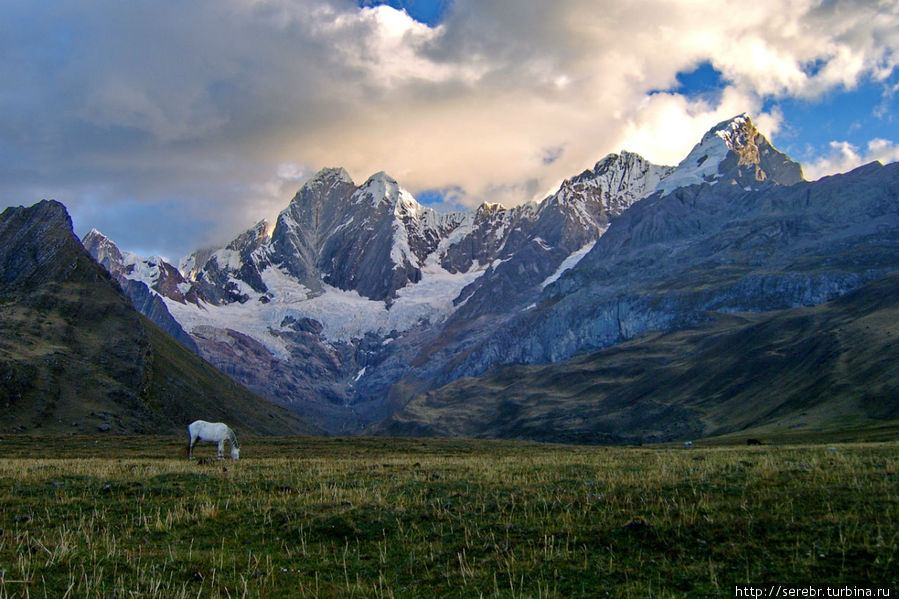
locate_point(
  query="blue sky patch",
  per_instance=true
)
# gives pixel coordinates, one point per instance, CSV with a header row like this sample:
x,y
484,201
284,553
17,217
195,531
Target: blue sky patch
x,y
446,199
704,81
429,12
857,116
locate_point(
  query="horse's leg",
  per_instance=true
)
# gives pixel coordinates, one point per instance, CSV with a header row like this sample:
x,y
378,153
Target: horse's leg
x,y
190,446
221,448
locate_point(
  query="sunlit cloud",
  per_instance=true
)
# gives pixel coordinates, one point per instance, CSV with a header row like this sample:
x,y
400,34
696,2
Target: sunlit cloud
x,y
844,156
226,107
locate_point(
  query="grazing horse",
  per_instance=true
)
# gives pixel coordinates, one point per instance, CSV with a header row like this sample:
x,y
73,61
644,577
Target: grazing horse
x,y
214,432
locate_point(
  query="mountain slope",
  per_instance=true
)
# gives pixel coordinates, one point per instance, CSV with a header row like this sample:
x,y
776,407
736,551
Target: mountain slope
x,y
145,282
75,355
823,368
674,260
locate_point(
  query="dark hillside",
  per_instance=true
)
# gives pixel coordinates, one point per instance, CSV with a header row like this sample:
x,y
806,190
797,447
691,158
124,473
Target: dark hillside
x,y
76,357
833,367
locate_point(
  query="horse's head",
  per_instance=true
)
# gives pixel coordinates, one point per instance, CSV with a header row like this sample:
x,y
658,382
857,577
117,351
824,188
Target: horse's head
x,y
235,453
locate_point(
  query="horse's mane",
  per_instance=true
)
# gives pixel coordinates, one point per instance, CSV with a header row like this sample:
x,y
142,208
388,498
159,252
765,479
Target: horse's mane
x,y
233,438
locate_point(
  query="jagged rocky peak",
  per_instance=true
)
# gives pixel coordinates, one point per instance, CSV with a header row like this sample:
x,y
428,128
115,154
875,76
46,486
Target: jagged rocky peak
x,y
490,208
328,177
51,211
191,264
329,187
629,162
153,272
37,246
46,215
371,238
734,152
583,206
95,237
318,208
251,238
107,253
739,134
104,251
616,181
238,259
334,189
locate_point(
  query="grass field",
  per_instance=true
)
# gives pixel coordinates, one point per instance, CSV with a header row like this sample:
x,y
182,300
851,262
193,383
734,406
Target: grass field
x,y
131,517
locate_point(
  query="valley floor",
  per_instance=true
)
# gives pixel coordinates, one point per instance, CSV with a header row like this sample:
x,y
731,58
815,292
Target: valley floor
x,y
129,516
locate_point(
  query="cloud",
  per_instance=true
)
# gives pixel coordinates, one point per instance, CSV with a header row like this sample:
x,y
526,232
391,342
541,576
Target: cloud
x,y
665,122
221,108
844,156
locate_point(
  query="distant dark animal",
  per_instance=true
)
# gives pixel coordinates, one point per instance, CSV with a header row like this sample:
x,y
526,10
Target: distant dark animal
x,y
753,442
214,432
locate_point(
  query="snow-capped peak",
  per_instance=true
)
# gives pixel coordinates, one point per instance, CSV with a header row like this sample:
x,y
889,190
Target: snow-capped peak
x,y
96,238
123,263
628,172
703,163
616,182
379,188
104,250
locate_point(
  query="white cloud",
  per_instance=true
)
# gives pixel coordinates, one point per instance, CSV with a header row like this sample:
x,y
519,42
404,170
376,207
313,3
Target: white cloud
x,y
666,125
224,105
476,101
844,156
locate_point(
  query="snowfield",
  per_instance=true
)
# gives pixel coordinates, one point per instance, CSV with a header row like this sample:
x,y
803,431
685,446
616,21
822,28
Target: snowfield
x,y
568,263
344,315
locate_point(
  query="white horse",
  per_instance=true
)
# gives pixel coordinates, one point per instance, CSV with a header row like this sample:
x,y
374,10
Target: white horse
x,y
214,432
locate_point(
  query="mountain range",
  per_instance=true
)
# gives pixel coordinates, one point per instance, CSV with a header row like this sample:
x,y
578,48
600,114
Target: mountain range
x,y
358,304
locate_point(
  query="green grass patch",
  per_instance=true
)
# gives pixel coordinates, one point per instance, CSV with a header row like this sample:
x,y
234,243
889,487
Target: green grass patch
x,y
129,517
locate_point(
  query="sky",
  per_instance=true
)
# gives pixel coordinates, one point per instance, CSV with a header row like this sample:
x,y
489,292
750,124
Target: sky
x,y
174,125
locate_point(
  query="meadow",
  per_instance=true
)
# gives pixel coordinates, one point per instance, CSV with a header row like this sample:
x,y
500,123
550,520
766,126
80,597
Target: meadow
x,y
129,516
